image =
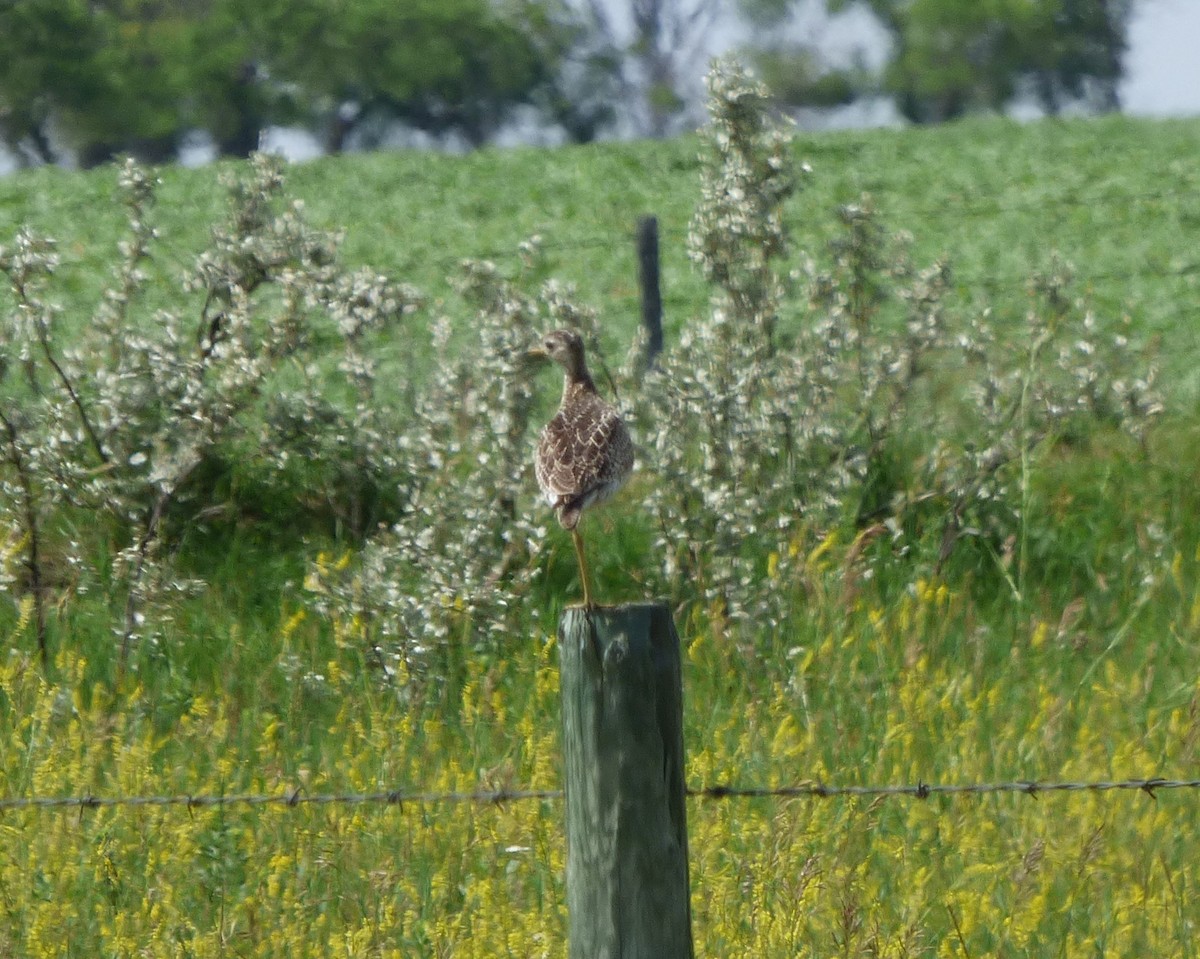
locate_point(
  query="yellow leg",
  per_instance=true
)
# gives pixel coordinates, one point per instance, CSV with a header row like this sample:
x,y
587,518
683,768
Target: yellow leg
x,y
583,569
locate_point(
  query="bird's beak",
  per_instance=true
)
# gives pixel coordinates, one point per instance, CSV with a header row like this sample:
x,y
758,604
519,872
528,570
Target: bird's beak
x,y
537,353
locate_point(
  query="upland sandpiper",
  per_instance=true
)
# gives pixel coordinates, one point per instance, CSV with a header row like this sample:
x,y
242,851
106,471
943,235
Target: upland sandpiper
x,y
584,454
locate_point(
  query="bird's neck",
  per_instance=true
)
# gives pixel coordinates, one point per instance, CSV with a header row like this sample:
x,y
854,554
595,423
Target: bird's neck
x,y
576,382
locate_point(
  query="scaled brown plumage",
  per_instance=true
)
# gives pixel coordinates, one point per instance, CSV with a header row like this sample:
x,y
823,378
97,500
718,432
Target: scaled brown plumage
x,y
584,454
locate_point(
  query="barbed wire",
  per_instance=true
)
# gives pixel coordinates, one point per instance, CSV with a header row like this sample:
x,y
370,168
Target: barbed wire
x,y
181,258
961,202
963,280
294,798
923,790
969,205
811,789
966,209
1015,281
625,239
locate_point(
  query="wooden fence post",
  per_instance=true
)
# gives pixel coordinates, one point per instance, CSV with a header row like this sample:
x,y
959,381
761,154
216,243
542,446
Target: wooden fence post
x,y
622,711
648,280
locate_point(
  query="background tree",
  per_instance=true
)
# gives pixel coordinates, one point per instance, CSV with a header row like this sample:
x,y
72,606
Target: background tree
x,y
1079,53
132,76
438,65
98,78
949,57
587,80
47,48
654,46
233,52
145,77
795,70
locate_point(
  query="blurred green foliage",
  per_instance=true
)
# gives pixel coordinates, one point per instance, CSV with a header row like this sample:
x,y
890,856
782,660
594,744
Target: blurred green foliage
x,y
134,76
952,57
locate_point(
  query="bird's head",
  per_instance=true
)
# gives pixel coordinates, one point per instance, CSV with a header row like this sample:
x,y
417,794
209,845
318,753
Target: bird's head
x,y
564,347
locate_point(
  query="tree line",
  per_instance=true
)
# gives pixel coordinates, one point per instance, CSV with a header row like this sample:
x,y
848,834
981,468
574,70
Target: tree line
x,y
99,78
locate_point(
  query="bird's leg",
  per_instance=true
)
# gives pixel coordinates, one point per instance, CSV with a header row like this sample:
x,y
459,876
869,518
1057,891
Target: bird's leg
x,y
583,568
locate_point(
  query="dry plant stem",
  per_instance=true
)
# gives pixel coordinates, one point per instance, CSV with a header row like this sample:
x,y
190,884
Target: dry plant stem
x,y
958,931
135,581
1031,373
33,555
134,595
23,296
84,420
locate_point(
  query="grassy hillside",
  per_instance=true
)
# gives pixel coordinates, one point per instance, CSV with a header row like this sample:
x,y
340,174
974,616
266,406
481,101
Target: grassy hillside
x,y
1117,198
1070,651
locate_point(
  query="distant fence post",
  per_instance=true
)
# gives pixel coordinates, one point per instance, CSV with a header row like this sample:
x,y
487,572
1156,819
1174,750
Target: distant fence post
x,y
622,713
648,280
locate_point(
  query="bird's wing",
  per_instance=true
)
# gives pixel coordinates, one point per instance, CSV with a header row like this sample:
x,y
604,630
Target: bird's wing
x,y
579,448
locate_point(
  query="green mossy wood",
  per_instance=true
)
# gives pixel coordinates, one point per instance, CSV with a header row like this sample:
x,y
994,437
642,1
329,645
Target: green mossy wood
x,y
627,860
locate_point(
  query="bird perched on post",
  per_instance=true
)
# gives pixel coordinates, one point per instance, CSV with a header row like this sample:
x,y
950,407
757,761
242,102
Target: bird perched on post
x,y
584,454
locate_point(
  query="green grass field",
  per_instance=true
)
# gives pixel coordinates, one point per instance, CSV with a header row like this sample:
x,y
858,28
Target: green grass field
x,y
1117,198
1085,665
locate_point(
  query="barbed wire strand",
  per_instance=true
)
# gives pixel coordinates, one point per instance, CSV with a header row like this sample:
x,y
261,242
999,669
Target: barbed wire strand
x,y
181,259
625,242
923,790
967,205
297,797
495,797
965,208
962,202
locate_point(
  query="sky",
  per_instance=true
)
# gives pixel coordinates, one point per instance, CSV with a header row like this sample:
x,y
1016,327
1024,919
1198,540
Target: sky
x,y
1164,59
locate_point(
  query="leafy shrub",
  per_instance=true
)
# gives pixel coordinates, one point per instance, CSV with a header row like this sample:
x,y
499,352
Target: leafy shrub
x,y
837,398
845,392
840,396
122,422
